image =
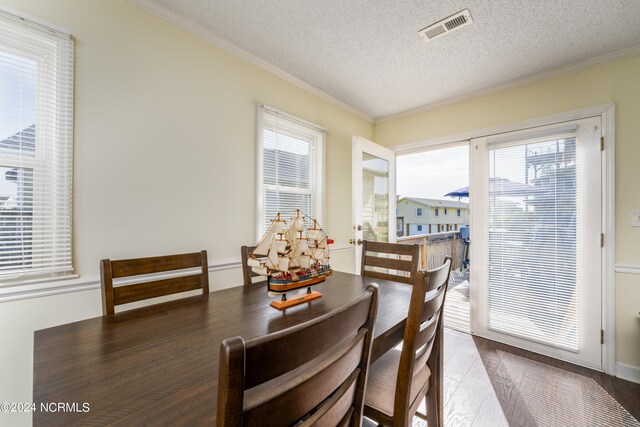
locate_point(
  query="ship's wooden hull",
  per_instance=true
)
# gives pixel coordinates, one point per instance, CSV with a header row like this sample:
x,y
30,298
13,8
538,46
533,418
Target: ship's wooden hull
x,y
292,286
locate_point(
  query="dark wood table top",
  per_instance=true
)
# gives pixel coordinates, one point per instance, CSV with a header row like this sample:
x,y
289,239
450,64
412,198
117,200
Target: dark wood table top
x,y
159,365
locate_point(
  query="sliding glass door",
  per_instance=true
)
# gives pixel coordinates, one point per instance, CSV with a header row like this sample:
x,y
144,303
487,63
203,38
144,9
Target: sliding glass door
x,y
536,239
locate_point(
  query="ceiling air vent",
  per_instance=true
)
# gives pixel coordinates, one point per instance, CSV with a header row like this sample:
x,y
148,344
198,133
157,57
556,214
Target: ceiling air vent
x,y
446,26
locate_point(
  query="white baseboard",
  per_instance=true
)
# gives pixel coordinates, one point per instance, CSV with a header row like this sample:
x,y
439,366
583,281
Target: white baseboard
x,y
628,372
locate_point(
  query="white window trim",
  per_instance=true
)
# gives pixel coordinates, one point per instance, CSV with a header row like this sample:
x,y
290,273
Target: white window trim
x,y
421,210
317,169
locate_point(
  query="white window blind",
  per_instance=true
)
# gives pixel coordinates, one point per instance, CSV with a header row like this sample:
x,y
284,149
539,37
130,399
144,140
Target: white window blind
x,y
36,100
291,163
533,241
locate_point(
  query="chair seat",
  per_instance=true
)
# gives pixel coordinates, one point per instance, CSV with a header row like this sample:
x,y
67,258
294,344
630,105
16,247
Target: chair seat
x,y
381,386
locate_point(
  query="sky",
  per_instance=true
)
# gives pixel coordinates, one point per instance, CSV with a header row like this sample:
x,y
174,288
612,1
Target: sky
x,y
17,104
17,93
432,174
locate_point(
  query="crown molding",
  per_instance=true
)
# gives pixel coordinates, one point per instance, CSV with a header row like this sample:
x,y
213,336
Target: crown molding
x,y
524,81
209,36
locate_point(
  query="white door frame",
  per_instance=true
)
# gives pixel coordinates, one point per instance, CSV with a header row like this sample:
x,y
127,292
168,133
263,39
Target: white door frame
x,y
359,145
607,112
587,132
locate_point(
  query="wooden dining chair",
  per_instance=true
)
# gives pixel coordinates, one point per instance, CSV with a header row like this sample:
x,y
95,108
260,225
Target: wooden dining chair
x,y
247,273
117,269
313,373
388,256
400,379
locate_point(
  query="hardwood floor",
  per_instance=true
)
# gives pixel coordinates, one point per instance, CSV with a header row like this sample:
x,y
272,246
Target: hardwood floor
x,y
492,384
457,305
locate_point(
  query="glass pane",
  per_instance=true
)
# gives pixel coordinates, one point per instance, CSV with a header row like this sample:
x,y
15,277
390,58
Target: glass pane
x,y
17,104
533,236
16,217
375,198
286,204
286,159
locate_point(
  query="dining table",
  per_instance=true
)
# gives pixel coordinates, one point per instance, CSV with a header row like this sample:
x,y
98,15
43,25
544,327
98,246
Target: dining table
x,y
158,365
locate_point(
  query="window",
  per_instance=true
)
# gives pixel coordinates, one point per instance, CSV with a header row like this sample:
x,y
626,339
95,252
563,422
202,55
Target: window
x,y
290,168
446,211
459,212
36,128
419,212
437,211
419,228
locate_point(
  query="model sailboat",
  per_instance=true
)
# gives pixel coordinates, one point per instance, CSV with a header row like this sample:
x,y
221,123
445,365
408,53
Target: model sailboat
x,y
292,254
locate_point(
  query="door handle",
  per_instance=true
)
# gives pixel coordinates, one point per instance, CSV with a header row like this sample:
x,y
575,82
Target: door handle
x,y
353,242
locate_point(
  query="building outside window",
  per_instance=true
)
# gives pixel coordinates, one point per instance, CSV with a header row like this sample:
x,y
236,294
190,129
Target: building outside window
x,y
459,212
437,212
291,168
419,228
36,128
446,211
419,211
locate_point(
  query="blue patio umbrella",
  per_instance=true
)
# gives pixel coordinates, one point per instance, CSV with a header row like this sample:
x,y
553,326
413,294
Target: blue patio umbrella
x,y
459,193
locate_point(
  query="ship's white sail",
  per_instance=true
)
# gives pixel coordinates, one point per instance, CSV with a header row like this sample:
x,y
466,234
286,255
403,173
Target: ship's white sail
x,y
283,264
305,261
279,226
302,247
272,257
254,262
298,223
282,246
313,234
262,248
288,247
262,271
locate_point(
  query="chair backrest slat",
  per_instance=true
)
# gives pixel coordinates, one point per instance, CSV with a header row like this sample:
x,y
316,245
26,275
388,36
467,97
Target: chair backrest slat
x,y
393,258
424,323
142,290
247,272
273,346
390,248
291,401
313,373
337,410
156,288
158,264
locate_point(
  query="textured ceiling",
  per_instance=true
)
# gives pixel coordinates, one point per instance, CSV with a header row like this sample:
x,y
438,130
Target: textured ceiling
x,y
367,53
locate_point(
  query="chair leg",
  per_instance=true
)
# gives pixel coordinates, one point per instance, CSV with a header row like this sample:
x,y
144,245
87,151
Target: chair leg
x,y
432,410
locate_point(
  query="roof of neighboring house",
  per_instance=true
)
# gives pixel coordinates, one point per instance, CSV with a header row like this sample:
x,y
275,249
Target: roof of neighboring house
x,y
24,140
436,203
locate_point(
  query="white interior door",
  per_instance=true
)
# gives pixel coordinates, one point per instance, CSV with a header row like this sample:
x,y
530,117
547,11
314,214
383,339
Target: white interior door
x,y
374,194
536,225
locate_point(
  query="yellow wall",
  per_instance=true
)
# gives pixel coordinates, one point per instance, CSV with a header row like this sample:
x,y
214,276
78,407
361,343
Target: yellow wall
x,y
164,158
617,82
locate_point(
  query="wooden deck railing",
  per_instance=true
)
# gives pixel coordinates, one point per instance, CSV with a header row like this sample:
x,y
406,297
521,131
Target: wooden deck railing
x,y
435,247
